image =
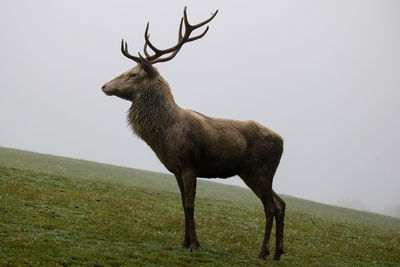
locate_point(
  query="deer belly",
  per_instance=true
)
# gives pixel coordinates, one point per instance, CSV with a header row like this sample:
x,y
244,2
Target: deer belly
x,y
218,170
221,160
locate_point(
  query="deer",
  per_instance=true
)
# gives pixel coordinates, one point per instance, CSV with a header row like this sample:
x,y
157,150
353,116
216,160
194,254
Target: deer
x,y
191,145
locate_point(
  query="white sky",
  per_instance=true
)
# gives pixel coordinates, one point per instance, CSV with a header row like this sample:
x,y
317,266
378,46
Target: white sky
x,y
323,74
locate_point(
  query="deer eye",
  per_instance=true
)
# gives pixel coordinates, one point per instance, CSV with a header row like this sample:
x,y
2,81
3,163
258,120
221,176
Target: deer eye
x,y
131,76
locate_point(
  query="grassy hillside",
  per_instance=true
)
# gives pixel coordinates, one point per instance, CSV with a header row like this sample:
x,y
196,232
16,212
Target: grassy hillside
x,y
62,211
93,171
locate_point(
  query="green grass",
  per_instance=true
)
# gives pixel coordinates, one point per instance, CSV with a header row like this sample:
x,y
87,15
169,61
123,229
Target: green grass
x,y
58,211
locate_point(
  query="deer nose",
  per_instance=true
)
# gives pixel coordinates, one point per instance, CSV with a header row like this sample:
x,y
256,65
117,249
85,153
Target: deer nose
x,y
104,86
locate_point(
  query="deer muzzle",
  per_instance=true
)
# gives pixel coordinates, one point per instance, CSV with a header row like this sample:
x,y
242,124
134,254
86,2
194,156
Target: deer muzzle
x,y
106,89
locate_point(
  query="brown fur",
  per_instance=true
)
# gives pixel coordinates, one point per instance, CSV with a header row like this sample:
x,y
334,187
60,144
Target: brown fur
x,y
192,145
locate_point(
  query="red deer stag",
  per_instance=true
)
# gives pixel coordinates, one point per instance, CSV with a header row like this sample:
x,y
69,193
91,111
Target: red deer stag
x,y
192,145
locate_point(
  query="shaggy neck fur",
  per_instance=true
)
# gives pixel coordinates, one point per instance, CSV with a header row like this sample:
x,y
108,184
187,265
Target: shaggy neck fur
x,y
152,112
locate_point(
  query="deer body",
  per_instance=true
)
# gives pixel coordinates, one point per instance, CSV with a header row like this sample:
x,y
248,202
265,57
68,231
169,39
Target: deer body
x,y
192,145
184,138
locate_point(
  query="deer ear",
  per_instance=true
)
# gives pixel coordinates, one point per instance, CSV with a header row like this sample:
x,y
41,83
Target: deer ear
x,y
146,65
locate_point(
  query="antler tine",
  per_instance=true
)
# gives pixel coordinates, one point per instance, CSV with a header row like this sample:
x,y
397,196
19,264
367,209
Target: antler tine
x,y
145,50
180,31
148,43
193,27
146,37
198,36
124,50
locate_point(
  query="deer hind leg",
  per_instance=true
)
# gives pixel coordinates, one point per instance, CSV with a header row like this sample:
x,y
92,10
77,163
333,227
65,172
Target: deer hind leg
x,y
269,210
262,187
280,206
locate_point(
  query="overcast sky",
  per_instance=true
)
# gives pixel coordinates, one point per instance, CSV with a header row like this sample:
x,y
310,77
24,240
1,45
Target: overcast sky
x,y
323,74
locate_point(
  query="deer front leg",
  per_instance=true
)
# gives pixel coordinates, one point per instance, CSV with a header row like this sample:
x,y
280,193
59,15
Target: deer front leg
x,y
186,240
189,186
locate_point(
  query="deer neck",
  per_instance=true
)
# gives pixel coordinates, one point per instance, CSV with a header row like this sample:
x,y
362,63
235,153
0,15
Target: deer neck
x,y
152,113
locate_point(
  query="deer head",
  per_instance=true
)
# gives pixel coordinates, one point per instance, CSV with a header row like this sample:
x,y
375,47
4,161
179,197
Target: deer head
x,y
131,82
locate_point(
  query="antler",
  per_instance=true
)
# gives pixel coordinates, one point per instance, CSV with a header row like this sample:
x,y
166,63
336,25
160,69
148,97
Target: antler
x,y
182,39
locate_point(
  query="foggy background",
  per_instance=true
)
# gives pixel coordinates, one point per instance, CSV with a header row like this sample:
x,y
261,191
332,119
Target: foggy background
x,y
323,74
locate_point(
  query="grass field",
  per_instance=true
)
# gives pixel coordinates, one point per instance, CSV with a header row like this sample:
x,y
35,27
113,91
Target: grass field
x,y
59,211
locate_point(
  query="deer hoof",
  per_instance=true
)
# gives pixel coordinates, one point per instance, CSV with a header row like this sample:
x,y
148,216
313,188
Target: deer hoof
x,y
186,243
277,255
263,254
194,246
